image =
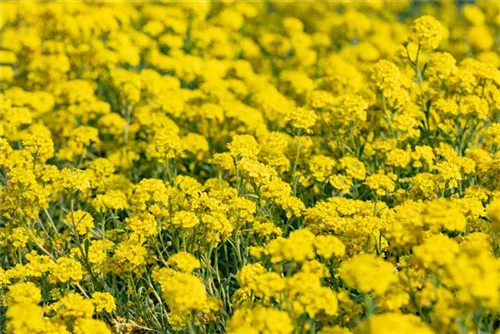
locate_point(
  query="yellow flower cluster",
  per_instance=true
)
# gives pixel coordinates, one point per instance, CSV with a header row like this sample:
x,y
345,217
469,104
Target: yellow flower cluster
x,y
250,167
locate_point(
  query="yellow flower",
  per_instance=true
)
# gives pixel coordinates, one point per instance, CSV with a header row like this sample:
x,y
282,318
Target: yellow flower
x,y
23,293
438,250
260,320
306,295
341,182
81,220
129,255
493,211
38,264
302,119
328,246
165,146
427,32
27,318
350,109
388,323
314,166
268,286
103,301
249,273
443,214
297,247
74,179
144,224
73,306
183,292
387,77
66,269
39,146
243,146
85,326
473,14
353,167
380,183
368,273
321,167
98,249
183,261
481,38
185,219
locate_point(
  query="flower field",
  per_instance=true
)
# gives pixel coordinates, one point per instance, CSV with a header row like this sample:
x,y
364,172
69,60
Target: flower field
x,y
250,167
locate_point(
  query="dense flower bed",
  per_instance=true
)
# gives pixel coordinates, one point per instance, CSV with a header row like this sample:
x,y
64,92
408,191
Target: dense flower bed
x,y
250,167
